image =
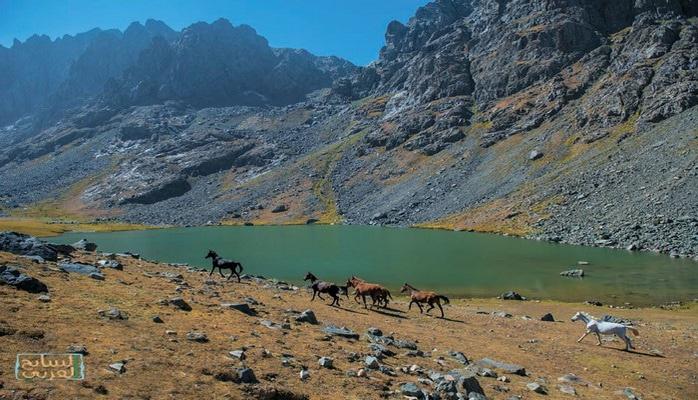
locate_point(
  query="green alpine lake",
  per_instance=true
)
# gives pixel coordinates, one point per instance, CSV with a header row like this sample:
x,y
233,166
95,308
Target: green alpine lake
x,y
458,264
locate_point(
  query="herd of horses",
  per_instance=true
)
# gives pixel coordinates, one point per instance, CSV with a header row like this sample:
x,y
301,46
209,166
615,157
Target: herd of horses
x,y
380,296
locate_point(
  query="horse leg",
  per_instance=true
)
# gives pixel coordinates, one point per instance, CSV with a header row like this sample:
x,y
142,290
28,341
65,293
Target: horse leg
x,y
421,310
431,307
232,272
356,298
363,296
598,337
628,343
220,271
335,299
410,306
238,276
583,336
314,291
212,269
319,294
438,303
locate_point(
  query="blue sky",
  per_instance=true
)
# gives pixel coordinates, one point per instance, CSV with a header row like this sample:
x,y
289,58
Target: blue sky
x,y
352,29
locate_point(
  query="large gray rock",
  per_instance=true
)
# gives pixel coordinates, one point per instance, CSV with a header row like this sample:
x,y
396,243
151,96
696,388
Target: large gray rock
x,y
78,268
307,316
242,307
341,331
85,245
12,276
506,367
25,245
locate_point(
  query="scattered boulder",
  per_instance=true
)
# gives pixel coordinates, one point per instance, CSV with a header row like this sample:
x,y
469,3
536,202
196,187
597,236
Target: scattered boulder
x,y
110,264
113,314
25,245
177,302
198,337
44,298
97,276
567,389
84,245
594,303
506,367
246,375
501,314
239,354
573,273
341,331
11,276
280,208
511,295
242,307
118,367
158,320
460,357
371,362
628,392
78,268
375,331
536,387
77,349
304,374
411,390
307,316
35,259
325,362
548,318
535,154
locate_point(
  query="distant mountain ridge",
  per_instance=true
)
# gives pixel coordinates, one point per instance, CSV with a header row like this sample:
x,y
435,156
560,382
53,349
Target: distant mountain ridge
x,y
213,64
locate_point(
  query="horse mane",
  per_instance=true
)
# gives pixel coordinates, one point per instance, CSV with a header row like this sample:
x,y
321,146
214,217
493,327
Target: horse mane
x,y
411,287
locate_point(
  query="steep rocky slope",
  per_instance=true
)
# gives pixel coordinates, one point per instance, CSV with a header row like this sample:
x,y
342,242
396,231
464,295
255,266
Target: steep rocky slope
x,y
572,121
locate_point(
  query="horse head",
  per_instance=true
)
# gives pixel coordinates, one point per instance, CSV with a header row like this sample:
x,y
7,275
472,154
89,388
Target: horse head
x,y
404,288
310,277
211,254
576,317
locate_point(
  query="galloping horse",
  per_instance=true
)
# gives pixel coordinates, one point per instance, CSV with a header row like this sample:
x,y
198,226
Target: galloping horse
x,y
323,287
417,296
377,292
222,264
605,328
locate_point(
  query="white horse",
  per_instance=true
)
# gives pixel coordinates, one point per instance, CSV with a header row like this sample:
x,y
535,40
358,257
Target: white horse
x,y
605,328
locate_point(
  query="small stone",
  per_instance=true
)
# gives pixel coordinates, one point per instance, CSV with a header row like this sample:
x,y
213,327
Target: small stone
x,y
179,303
77,349
375,331
246,375
410,389
171,333
239,354
242,307
547,317
503,378
113,314
536,387
158,320
304,374
307,316
371,362
97,276
534,155
361,373
567,389
325,362
198,337
44,298
118,367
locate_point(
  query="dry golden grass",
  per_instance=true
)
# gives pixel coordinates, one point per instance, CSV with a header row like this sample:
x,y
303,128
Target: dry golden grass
x,y
161,366
53,227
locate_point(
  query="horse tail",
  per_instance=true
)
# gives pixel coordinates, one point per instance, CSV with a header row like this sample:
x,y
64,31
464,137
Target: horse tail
x,y
444,298
240,265
387,294
633,330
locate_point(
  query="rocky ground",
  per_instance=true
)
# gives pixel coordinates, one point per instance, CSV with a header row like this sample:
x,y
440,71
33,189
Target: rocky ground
x,y
155,331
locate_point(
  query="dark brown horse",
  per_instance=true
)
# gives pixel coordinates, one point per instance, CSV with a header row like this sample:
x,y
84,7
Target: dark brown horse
x,y
222,264
323,287
418,296
378,293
